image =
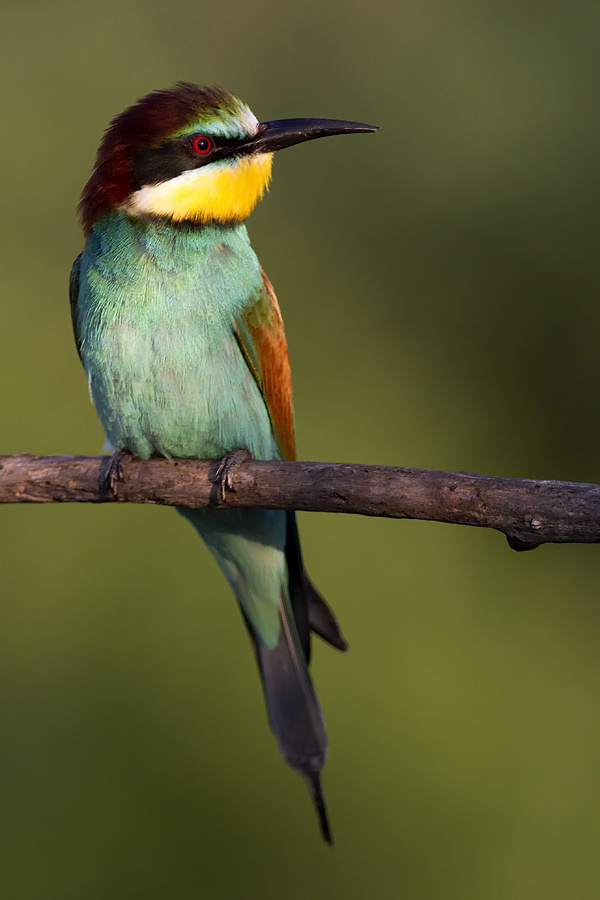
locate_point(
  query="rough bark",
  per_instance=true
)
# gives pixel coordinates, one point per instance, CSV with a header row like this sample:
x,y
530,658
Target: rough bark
x,y
528,512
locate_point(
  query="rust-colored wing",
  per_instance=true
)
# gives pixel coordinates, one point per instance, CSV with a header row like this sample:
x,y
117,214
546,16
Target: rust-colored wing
x,y
262,340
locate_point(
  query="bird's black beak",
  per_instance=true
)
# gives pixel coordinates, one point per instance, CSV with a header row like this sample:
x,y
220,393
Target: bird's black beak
x,y
287,132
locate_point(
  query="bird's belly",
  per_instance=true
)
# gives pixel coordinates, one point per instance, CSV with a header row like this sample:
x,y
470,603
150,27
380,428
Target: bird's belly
x,y
167,391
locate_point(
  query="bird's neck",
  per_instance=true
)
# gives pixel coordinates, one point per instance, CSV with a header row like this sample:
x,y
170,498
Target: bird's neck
x,y
167,262
163,240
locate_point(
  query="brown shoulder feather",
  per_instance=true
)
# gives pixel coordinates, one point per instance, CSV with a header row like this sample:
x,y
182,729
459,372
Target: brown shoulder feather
x,y
268,353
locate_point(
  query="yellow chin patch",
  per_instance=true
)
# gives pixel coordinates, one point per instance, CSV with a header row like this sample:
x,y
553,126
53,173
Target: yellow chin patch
x,y
221,192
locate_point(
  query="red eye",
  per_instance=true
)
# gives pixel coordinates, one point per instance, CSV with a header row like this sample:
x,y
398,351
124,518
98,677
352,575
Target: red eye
x,y
202,145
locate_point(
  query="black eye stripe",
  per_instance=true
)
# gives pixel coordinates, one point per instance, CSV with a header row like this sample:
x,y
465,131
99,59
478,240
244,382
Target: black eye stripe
x,y
157,164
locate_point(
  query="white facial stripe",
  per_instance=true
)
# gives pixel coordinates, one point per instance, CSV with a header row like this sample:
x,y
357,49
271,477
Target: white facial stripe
x,y
147,198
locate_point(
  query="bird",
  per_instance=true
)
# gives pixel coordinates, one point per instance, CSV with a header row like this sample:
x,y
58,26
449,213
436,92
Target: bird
x,y
182,341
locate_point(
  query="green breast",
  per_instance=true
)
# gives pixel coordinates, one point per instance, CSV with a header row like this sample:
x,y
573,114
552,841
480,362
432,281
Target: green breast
x,y
156,310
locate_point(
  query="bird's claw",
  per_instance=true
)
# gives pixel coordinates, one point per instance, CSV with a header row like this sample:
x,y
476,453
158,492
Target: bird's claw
x,y
114,470
227,469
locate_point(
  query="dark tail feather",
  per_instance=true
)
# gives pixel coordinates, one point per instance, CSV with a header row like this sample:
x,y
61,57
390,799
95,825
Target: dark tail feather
x,y
315,787
293,709
322,619
310,610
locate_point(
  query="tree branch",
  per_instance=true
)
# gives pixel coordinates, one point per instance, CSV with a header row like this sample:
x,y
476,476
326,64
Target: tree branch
x,y
528,512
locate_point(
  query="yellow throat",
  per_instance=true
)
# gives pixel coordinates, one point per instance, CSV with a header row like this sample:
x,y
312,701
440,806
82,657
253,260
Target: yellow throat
x,y
220,192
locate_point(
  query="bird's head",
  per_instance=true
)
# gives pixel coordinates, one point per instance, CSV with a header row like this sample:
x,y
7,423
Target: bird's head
x,y
194,154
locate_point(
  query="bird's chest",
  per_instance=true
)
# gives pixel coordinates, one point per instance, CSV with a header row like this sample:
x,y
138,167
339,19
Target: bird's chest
x,y
158,344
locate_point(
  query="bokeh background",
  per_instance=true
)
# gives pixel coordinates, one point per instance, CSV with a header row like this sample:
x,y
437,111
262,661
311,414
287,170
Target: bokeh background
x,y
439,283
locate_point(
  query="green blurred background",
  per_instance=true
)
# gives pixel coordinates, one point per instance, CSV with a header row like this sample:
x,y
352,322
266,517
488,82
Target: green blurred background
x,y
439,283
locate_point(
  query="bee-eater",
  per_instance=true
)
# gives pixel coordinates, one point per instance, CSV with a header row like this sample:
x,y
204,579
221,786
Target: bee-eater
x,y
181,338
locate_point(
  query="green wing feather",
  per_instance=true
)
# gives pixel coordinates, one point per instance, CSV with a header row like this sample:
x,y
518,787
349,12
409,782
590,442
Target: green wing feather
x,y
74,297
261,336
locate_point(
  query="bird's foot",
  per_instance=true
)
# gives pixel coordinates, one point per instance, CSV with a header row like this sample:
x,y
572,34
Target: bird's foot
x,y
114,470
227,469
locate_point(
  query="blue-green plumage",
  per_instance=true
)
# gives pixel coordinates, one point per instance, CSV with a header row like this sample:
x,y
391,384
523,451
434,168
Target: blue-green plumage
x,y
156,305
155,312
181,338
